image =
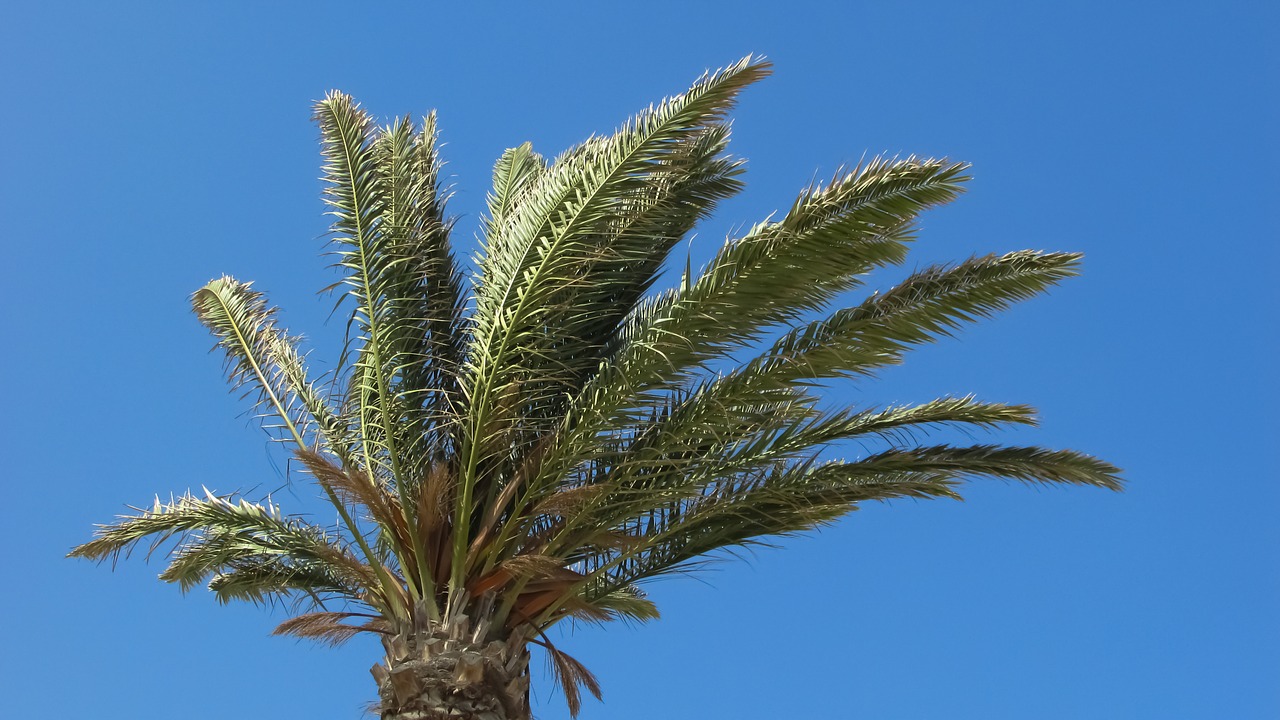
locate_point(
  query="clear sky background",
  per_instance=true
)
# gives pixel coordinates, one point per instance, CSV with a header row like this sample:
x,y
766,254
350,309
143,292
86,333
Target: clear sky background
x,y
148,147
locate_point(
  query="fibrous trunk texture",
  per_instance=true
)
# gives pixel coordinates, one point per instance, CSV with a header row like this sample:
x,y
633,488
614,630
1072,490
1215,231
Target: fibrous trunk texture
x,y
438,675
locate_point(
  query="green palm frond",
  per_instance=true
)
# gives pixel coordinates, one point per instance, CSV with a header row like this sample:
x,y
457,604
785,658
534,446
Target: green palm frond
x,y
424,287
929,304
215,533
263,580
513,174
392,237
832,236
660,463
264,359
532,269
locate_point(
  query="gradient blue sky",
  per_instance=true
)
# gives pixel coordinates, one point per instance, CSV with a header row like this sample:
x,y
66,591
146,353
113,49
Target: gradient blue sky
x,y
151,146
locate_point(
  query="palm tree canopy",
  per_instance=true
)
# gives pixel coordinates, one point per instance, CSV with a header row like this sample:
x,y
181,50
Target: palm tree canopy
x,y
535,440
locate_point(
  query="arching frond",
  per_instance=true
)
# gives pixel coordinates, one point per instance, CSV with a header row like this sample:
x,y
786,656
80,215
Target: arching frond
x,y
216,534
800,496
265,579
928,304
266,361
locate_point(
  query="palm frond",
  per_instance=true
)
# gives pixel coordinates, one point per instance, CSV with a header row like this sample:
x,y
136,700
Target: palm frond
x,y
265,579
538,257
571,675
676,457
216,533
929,304
1026,464
832,236
625,602
392,238
266,360
328,627
513,174
360,202
423,287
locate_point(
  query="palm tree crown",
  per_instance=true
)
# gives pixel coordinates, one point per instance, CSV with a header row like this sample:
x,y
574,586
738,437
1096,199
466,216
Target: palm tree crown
x,y
535,442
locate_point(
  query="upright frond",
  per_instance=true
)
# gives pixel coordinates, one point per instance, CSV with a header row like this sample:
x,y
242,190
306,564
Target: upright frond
x,y
528,321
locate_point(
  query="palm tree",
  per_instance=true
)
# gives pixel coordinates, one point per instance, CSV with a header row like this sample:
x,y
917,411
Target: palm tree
x,y
532,445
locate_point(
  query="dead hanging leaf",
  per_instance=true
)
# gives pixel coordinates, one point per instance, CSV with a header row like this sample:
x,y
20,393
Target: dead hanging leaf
x,y
571,675
326,627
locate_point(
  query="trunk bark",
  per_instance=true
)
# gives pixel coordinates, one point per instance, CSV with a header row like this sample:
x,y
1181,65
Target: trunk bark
x,y
436,677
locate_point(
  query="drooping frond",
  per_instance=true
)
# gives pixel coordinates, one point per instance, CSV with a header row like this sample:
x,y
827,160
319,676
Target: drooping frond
x,y
265,579
328,627
215,533
571,676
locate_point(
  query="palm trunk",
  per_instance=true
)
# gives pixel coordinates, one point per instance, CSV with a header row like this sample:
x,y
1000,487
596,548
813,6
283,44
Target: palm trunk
x,y
430,677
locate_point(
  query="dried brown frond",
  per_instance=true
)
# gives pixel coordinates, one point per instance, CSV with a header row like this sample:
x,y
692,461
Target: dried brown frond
x,y
434,498
353,566
355,487
565,502
533,603
327,627
570,675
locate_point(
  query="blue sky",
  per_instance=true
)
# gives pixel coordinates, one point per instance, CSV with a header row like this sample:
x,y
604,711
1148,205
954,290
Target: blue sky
x,y
150,147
